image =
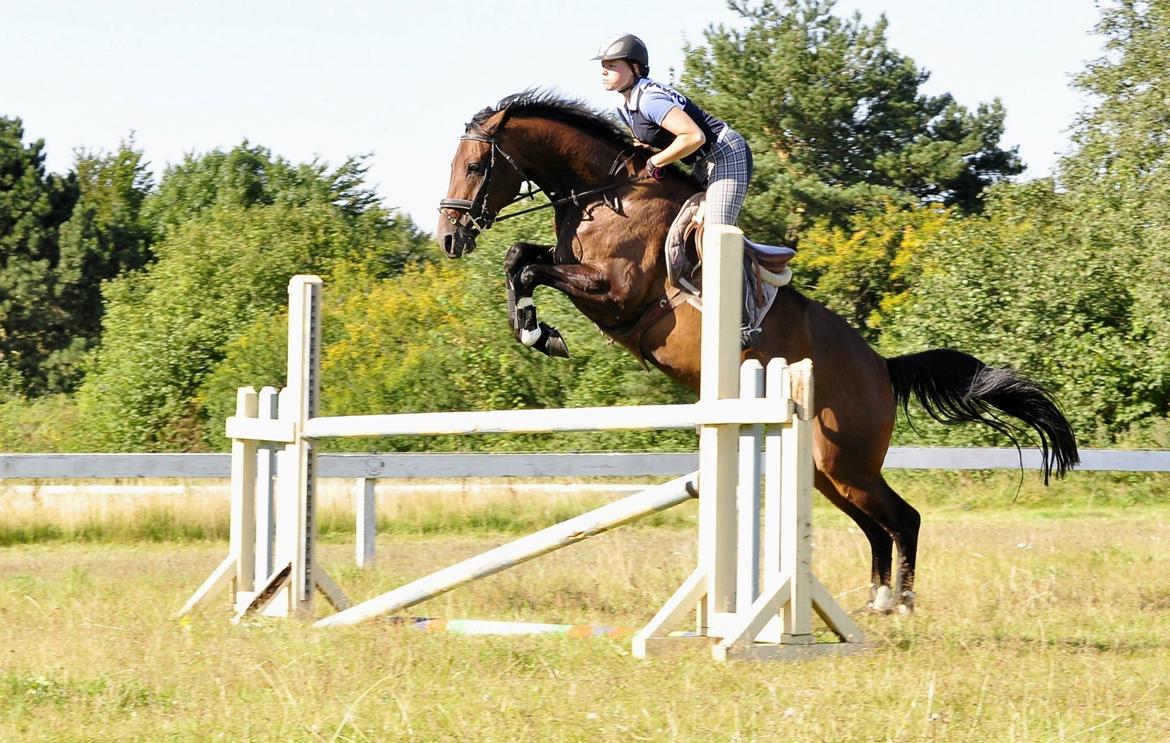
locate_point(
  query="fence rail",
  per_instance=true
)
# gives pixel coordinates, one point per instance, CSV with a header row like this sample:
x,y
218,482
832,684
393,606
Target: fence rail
x,y
632,464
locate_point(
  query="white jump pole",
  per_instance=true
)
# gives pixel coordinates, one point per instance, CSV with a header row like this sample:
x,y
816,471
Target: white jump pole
x,y
539,543
711,588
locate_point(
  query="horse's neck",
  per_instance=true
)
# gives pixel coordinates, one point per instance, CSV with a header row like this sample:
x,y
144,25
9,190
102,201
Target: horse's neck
x,y
560,159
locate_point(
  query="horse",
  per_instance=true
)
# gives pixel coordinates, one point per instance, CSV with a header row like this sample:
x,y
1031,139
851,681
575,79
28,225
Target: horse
x,y
611,226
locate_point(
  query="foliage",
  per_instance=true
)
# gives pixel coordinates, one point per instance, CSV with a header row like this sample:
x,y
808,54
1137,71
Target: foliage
x,y
33,206
250,175
104,237
865,271
235,227
437,338
836,118
165,329
1013,287
1070,284
1119,180
49,423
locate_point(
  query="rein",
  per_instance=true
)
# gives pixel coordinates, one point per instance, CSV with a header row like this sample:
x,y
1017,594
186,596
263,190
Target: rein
x,y
481,219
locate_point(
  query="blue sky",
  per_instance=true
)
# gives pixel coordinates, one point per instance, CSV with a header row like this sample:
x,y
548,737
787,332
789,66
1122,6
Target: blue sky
x,y
399,79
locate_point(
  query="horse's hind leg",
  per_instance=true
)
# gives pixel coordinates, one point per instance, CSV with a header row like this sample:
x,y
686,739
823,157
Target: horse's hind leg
x,y
901,522
881,545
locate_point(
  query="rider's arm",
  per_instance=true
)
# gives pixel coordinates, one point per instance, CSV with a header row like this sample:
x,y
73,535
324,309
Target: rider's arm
x,y
688,137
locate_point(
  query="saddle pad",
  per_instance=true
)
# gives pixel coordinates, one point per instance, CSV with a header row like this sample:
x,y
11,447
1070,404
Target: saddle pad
x,y
684,250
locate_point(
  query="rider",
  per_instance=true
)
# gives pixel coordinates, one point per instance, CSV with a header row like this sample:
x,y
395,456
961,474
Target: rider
x,y
668,121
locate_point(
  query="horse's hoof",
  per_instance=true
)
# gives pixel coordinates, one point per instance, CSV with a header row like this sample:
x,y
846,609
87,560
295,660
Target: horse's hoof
x,y
553,343
906,606
883,600
548,341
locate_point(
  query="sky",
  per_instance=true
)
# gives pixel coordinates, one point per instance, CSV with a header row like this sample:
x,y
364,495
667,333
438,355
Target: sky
x,y
397,80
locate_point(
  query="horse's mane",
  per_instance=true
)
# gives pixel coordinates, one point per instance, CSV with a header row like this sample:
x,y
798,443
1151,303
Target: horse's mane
x,y
550,105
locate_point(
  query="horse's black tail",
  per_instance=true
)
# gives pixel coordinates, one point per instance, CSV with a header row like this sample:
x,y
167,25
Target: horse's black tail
x,y
955,387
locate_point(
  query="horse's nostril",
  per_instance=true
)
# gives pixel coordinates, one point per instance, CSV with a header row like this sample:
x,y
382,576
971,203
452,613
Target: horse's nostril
x,y
449,245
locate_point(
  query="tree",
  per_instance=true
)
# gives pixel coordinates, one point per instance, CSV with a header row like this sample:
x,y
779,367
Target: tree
x,y
104,237
436,337
1016,285
235,226
1118,178
836,120
165,329
865,271
250,175
33,206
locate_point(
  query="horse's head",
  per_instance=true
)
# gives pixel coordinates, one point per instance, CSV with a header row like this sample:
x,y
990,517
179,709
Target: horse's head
x,y
483,181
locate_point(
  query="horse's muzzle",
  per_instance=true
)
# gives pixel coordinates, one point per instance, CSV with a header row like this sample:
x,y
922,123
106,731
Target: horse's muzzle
x,y
457,242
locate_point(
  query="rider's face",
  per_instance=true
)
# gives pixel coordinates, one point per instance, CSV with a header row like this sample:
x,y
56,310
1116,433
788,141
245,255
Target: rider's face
x,y
616,74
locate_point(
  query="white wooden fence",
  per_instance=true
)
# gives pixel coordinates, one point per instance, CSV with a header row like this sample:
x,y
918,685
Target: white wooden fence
x,y
366,469
64,467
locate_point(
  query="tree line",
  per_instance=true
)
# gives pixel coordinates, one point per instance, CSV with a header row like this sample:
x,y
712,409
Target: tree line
x,y
131,309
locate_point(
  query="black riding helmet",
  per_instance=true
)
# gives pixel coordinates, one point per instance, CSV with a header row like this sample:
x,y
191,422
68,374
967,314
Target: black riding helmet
x,y
628,47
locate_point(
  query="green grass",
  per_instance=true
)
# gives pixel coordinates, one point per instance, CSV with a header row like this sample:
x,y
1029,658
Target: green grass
x,y
1030,628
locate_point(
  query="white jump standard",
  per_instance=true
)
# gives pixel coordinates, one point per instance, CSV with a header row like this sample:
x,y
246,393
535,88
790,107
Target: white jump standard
x,y
754,433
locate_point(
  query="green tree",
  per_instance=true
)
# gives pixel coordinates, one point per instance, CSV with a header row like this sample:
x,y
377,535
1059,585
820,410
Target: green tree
x,y
836,118
104,237
250,175
436,337
33,206
866,271
165,329
1118,177
1017,286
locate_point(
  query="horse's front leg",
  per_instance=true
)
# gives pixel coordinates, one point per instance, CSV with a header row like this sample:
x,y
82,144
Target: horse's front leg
x,y
581,282
522,308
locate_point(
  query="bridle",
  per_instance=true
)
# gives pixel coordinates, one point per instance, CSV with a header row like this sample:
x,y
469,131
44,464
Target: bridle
x,y
475,208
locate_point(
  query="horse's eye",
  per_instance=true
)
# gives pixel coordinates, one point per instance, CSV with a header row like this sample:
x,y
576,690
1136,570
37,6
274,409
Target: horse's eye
x,y
474,168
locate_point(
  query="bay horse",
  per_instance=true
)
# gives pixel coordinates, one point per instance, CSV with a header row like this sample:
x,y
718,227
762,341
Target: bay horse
x,y
608,259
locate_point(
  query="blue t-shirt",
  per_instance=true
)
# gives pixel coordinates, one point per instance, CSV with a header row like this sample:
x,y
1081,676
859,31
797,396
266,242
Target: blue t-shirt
x,y
648,106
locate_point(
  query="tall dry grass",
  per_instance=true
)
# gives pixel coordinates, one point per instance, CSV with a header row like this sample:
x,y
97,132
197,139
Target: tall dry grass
x,y
1032,626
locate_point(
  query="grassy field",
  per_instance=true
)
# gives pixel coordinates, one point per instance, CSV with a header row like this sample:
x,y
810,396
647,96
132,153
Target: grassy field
x,y
1043,619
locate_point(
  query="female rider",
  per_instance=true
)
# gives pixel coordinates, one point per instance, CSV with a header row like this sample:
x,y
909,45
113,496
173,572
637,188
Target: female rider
x,y
665,119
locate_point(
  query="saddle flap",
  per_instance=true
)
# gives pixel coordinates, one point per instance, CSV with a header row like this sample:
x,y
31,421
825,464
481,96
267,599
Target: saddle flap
x,y
684,242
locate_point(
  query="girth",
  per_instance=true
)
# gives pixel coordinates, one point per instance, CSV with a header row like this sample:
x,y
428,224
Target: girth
x,y
630,334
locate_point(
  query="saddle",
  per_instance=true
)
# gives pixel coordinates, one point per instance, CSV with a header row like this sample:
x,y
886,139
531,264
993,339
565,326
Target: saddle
x,y
765,270
684,251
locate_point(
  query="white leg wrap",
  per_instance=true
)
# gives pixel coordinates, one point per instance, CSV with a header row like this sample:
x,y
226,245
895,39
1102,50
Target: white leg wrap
x,y
530,337
883,600
906,606
523,302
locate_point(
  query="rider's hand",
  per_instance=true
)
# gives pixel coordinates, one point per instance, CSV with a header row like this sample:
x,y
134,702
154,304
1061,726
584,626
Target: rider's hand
x,y
652,171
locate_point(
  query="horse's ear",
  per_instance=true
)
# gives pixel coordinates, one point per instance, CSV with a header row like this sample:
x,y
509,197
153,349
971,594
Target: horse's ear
x,y
492,124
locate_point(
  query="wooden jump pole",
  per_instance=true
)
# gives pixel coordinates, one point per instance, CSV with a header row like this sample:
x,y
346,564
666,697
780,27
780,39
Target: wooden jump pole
x,y
539,543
